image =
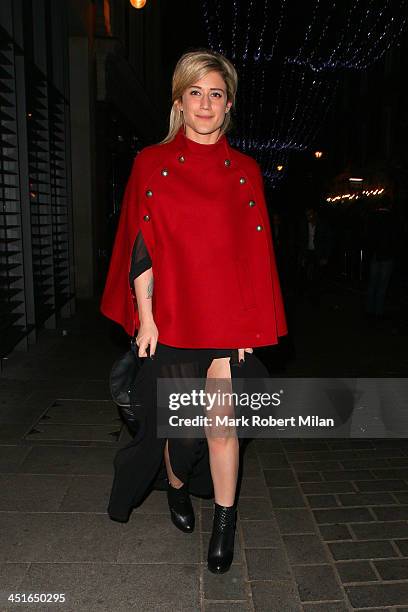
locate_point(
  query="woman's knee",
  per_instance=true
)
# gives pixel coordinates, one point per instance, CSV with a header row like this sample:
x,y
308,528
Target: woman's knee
x,y
221,438
219,368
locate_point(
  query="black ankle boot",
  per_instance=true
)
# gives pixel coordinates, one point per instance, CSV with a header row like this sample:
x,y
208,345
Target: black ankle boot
x,y
181,508
221,548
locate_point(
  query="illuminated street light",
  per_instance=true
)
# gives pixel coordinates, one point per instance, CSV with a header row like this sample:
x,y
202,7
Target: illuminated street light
x,y
279,168
137,4
318,154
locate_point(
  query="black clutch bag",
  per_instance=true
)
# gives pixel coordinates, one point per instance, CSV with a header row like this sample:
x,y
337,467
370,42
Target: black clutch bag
x,y
121,380
123,375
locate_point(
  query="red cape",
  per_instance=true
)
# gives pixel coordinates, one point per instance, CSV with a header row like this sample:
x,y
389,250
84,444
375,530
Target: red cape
x,y
202,212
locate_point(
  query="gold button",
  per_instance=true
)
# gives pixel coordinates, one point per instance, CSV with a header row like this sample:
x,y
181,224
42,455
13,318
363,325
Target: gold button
x,y
242,180
182,159
251,203
259,228
227,162
146,218
149,193
164,172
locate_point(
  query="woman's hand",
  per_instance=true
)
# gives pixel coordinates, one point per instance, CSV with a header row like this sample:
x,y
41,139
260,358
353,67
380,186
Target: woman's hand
x,y
241,353
147,336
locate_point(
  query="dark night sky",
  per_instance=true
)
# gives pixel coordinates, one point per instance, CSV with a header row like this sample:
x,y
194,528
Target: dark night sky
x,y
183,29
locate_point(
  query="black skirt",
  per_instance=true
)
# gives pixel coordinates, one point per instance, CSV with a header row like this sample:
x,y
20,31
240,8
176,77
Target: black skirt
x,y
139,466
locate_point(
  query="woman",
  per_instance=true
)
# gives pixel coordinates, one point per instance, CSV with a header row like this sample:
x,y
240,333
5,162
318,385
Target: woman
x,y
194,223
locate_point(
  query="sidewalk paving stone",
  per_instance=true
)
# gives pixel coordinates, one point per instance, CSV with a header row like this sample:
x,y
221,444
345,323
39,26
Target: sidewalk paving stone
x,y
253,487
111,586
68,460
378,594
322,501
50,537
366,499
356,571
267,564
392,569
87,494
286,497
362,550
335,532
302,549
343,515
12,433
396,513
11,575
380,531
381,485
322,488
295,520
348,475
317,583
11,457
255,509
260,534
32,492
280,595
309,477
273,460
154,539
225,586
279,478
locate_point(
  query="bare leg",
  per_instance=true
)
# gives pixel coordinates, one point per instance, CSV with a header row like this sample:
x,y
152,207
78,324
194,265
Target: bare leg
x,y
223,449
174,481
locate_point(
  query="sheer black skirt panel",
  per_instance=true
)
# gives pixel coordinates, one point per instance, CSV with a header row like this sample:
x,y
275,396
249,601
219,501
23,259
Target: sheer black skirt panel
x,y
140,466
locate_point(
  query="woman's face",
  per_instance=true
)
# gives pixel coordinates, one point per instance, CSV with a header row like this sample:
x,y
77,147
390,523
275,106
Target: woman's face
x,y
204,105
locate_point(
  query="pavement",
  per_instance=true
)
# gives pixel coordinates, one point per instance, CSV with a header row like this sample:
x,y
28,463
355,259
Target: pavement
x,y
323,523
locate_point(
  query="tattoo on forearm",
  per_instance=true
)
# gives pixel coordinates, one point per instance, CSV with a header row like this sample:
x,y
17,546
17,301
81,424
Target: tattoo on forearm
x,y
150,288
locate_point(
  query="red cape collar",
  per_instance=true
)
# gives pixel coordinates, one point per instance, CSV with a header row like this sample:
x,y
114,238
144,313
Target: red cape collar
x,y
187,147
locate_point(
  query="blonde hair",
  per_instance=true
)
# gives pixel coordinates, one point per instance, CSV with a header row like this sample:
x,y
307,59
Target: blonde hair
x,y
192,67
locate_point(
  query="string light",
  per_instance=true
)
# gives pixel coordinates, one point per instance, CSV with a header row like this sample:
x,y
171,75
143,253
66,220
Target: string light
x,y
253,80
358,46
234,29
356,196
294,73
